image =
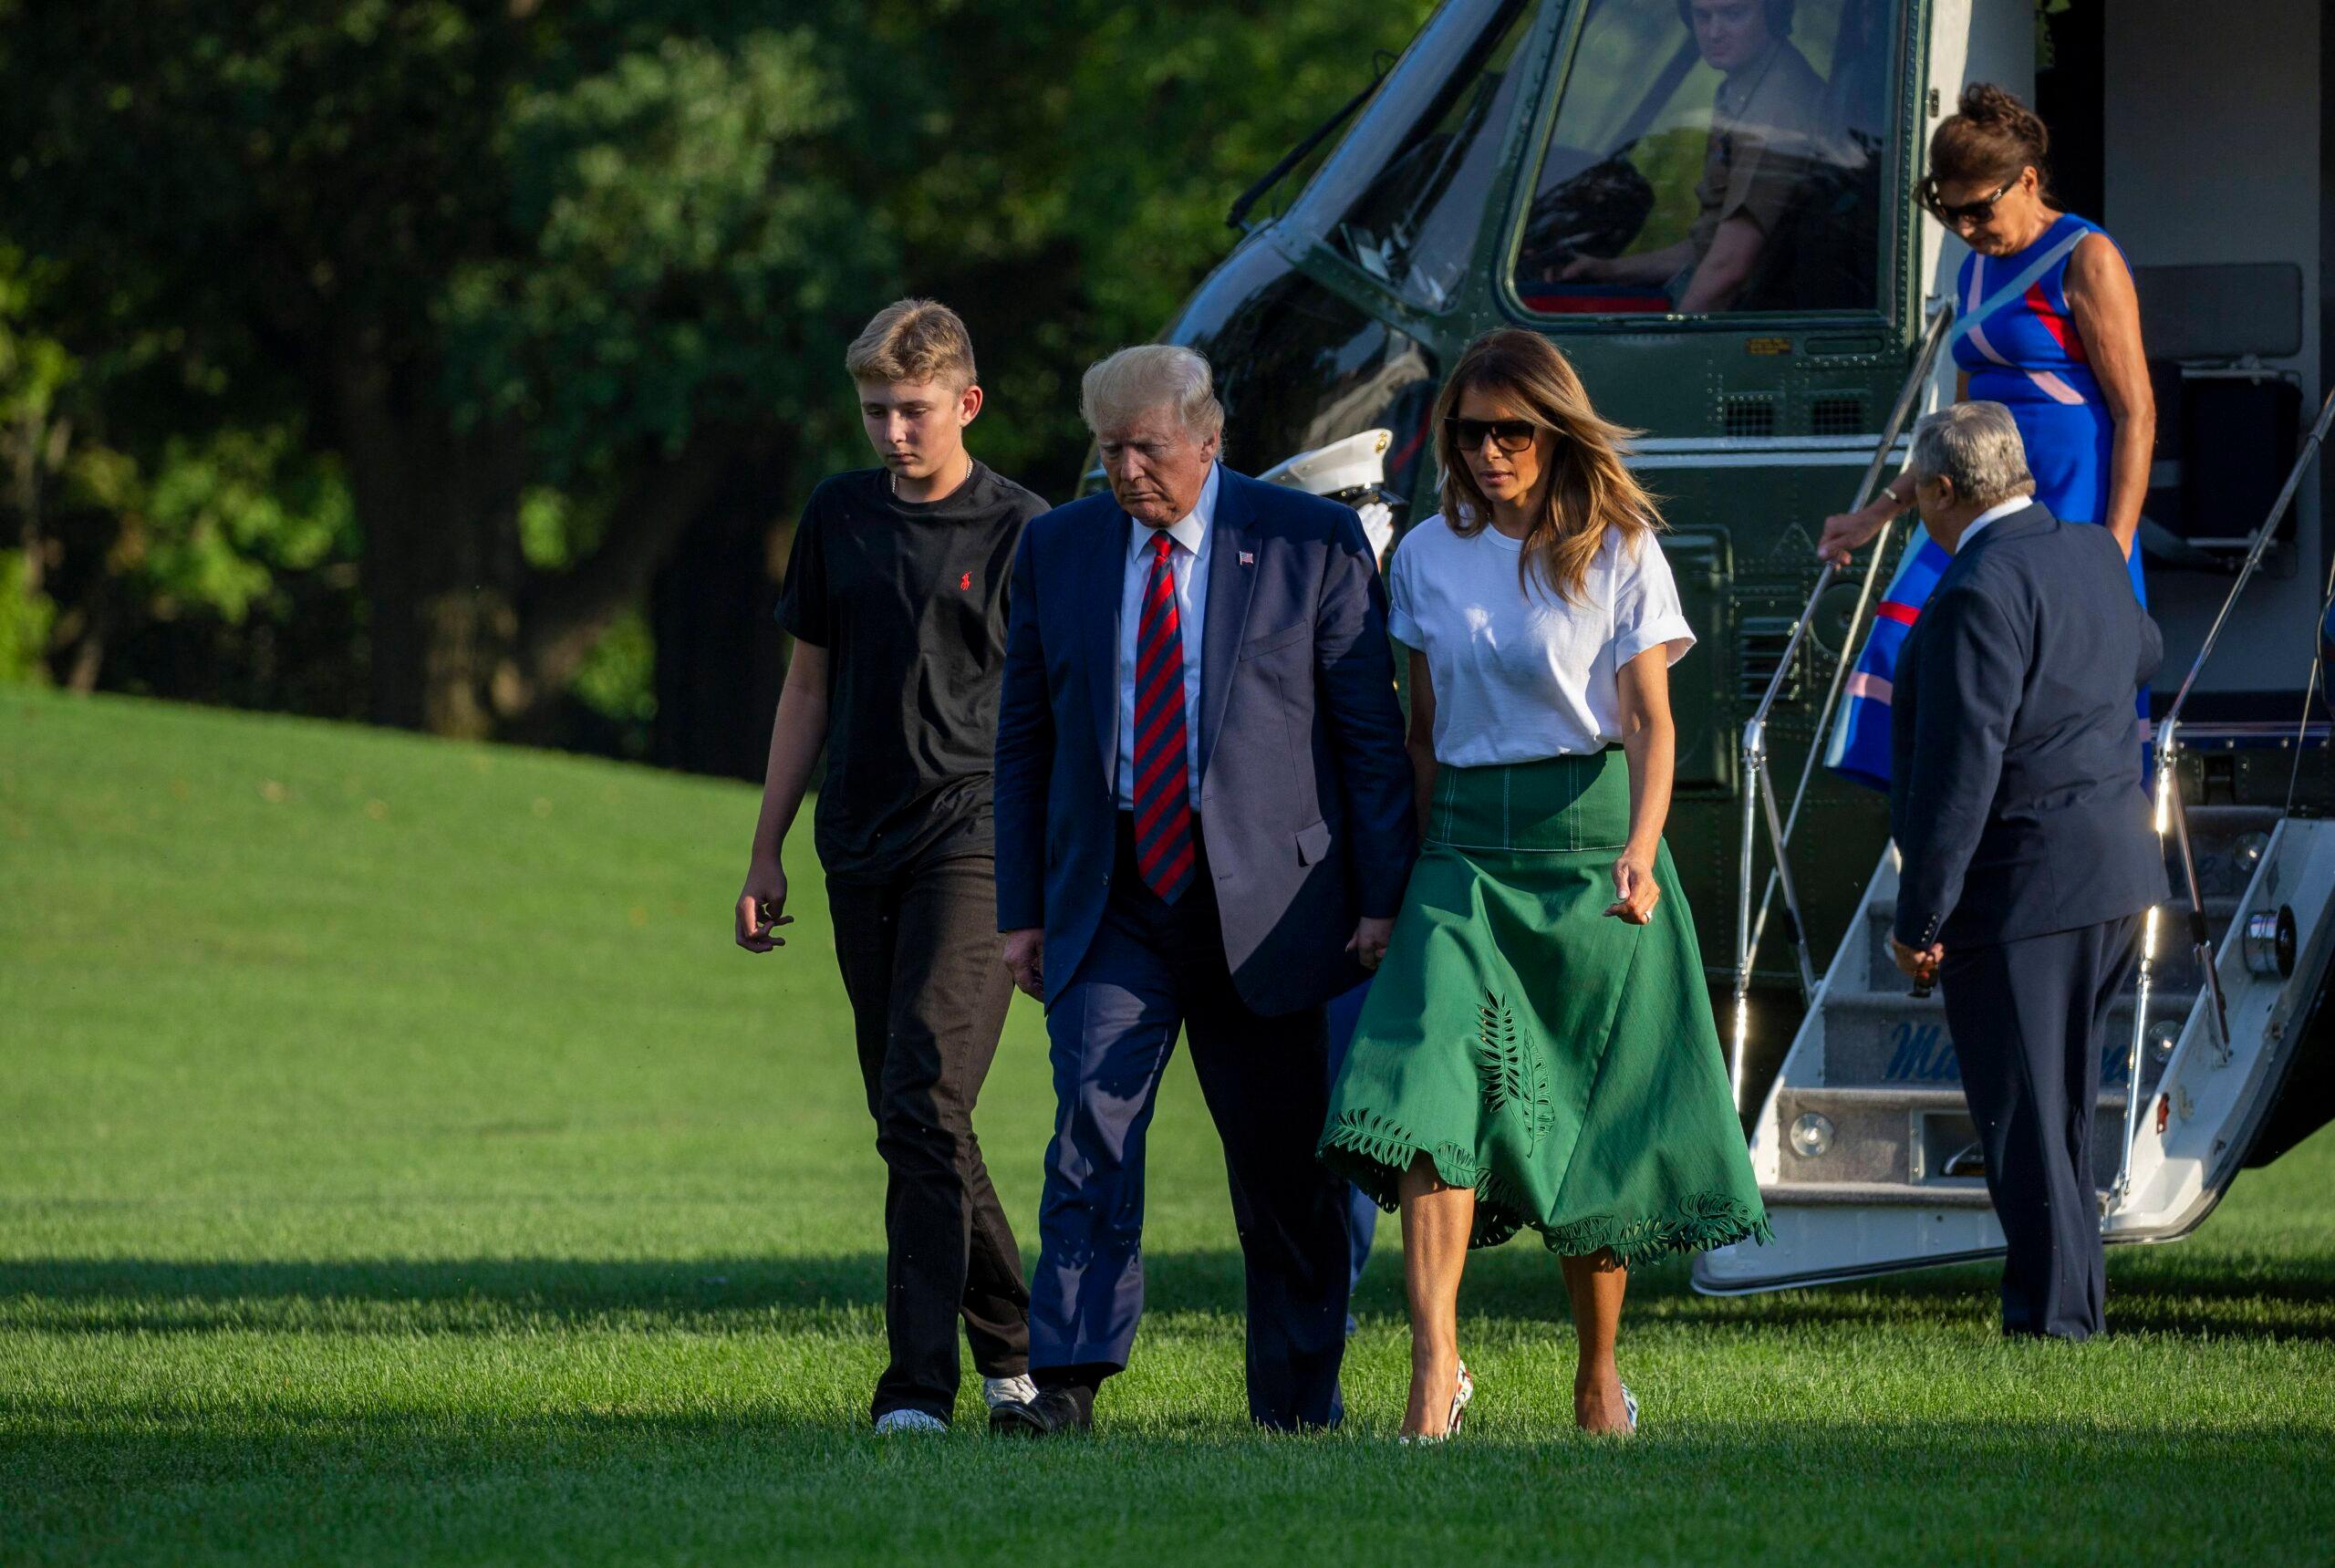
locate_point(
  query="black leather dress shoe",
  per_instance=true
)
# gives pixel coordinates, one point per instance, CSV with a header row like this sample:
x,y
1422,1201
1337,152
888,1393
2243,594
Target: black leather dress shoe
x,y
1054,1411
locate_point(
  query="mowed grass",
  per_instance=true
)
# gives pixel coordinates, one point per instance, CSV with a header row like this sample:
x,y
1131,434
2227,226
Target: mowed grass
x,y
398,1162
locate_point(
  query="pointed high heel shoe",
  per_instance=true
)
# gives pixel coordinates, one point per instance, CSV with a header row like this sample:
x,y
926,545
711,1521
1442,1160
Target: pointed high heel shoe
x,y
1629,1412
1462,1393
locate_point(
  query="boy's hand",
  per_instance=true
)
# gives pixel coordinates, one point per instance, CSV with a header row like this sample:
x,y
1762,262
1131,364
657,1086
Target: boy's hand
x,y
761,905
1024,952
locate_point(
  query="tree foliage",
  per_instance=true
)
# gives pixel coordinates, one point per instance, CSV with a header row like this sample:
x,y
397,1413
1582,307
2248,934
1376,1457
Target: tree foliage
x,y
487,305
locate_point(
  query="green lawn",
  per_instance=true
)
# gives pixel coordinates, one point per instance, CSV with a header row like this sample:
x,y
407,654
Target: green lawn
x,y
398,1161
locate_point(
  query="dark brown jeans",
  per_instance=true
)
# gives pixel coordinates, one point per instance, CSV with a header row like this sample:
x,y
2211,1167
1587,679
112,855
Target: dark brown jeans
x,y
928,995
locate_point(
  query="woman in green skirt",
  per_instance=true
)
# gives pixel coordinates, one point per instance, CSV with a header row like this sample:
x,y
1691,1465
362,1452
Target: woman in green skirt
x,y
1538,1048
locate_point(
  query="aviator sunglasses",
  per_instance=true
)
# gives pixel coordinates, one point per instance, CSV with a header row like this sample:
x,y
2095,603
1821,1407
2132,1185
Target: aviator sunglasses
x,y
1514,435
1978,211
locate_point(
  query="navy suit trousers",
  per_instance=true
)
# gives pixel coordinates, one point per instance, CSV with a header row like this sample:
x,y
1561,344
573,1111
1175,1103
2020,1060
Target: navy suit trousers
x,y
2029,1020
1152,968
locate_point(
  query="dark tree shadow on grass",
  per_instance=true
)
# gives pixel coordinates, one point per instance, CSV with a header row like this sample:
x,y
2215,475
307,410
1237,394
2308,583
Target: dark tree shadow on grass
x,y
2292,1298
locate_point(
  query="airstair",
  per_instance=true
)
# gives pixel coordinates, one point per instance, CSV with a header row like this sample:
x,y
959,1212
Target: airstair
x,y
1863,1146
1864,1149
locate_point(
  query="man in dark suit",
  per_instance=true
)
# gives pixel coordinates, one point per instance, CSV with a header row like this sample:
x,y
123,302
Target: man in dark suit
x,y
1204,820
2023,830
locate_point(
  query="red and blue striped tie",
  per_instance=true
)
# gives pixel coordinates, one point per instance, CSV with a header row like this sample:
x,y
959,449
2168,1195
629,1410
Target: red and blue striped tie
x,y
1163,804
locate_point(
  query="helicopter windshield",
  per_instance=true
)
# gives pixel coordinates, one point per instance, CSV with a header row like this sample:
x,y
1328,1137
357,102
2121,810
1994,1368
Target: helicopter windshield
x,y
1404,196
1714,155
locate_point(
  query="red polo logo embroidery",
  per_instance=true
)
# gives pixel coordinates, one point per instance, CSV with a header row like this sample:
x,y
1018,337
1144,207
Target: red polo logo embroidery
x,y
966,581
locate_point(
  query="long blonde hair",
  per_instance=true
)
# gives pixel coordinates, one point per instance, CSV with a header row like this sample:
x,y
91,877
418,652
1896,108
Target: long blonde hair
x,y
1588,488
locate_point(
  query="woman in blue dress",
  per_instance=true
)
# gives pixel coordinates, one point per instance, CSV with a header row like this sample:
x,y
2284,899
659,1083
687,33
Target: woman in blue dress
x,y
2047,324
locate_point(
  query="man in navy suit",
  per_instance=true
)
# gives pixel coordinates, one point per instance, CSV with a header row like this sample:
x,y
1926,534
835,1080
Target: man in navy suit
x,y
2023,829
1204,821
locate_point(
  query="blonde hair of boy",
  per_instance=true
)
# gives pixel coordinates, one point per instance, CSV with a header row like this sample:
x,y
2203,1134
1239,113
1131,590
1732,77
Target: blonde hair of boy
x,y
913,340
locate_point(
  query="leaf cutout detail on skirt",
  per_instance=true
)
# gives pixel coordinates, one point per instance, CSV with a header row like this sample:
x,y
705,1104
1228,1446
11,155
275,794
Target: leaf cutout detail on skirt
x,y
1375,1138
1513,1073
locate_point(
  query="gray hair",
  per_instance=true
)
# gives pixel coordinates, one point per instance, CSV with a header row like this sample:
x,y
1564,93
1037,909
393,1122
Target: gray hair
x,y
1976,446
1132,382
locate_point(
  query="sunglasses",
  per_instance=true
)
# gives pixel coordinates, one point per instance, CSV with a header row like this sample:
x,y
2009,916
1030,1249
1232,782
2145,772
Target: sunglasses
x,y
1978,211
1512,435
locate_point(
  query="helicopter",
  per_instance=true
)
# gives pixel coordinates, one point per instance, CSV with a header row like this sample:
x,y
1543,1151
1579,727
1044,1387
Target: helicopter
x,y
1505,169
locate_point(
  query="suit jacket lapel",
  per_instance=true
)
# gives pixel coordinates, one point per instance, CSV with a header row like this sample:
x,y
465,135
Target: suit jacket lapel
x,y
1105,582
1229,584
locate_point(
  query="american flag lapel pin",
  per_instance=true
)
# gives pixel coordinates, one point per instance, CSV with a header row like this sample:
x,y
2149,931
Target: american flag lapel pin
x,y
1248,557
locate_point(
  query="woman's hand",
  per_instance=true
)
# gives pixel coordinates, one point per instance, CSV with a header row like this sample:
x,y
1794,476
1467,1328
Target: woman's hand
x,y
1649,740
1635,889
1845,532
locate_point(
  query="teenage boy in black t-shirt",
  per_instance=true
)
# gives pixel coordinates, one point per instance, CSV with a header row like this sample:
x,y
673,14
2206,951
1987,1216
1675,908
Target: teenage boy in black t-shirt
x,y
895,597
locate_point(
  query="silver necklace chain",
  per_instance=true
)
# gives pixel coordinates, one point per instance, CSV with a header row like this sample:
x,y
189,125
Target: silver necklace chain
x,y
893,481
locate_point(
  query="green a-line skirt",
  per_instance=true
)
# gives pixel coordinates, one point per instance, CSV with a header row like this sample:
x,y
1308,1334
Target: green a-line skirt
x,y
1559,1060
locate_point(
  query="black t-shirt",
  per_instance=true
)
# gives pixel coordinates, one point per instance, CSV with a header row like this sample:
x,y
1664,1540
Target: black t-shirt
x,y
909,599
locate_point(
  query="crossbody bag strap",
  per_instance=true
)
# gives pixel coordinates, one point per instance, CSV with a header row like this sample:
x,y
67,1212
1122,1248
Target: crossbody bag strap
x,y
2019,285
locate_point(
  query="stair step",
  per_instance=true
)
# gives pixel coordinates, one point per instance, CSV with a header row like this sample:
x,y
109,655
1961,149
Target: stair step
x,y
1892,1132
1894,1003
1962,1194
2232,819
1895,1097
1876,1038
2164,1001
2220,910
1966,1193
2177,960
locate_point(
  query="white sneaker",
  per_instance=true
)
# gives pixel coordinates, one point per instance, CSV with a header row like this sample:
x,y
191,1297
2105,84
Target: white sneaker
x,y
996,1391
904,1422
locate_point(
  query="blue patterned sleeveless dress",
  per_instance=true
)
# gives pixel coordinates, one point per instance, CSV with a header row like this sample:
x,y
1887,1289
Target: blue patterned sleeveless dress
x,y
2027,355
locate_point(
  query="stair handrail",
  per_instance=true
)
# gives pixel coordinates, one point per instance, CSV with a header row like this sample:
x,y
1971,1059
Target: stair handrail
x,y
2256,545
1758,790
2172,820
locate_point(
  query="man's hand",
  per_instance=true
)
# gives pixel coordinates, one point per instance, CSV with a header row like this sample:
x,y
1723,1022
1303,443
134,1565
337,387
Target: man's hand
x,y
1635,893
1025,959
1586,269
1368,943
1919,964
761,905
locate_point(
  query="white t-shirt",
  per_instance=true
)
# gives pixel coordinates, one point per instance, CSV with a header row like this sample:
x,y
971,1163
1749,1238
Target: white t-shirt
x,y
1517,677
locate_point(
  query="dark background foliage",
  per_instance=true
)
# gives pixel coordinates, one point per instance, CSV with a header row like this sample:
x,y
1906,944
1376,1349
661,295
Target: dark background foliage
x,y
459,365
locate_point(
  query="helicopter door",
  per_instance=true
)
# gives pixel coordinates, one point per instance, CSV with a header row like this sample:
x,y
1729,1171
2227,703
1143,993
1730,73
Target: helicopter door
x,y
1706,221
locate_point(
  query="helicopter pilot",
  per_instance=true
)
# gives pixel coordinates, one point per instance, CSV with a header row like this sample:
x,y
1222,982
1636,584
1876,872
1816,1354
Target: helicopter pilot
x,y
1766,137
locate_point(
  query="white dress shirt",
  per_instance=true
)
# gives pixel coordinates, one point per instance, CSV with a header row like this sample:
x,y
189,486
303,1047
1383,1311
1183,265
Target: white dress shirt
x,y
2000,509
1188,565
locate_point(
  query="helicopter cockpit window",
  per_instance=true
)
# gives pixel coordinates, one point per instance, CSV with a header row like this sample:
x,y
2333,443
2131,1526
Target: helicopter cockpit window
x,y
1714,155
1404,196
